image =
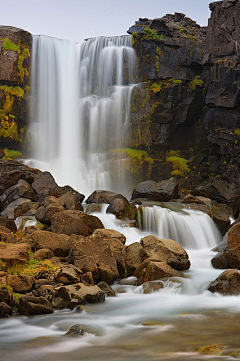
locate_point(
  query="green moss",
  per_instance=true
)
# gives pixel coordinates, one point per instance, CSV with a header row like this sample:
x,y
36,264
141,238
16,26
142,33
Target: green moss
x,y
196,82
180,166
151,34
8,45
11,154
175,81
237,131
135,38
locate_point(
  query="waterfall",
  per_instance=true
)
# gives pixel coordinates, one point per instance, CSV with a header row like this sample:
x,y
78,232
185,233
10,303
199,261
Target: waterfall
x,y
80,101
191,229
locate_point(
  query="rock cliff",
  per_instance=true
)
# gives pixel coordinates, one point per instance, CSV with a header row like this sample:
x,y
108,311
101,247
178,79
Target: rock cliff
x,y
15,47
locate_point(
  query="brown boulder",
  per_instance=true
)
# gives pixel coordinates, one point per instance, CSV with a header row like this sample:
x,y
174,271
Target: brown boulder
x,y
135,255
59,244
106,289
20,284
152,286
30,305
104,197
71,201
68,274
9,210
5,310
26,209
221,216
8,223
75,222
92,254
43,253
44,182
62,296
221,260
122,209
234,246
227,283
162,191
11,253
151,271
166,250
20,190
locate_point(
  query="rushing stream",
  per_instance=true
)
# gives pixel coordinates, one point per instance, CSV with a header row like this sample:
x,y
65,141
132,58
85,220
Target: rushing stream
x,y
170,324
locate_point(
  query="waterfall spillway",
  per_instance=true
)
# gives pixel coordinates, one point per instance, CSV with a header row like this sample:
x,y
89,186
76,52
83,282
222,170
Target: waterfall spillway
x,y
191,229
80,101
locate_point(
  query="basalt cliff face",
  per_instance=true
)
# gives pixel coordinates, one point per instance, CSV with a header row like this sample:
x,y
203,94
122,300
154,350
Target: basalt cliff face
x,y
15,45
188,99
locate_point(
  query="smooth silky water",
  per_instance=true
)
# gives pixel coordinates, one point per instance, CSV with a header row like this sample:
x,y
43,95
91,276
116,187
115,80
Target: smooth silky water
x,y
170,324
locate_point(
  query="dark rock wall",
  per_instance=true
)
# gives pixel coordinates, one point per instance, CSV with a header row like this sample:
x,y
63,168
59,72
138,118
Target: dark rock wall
x,y
15,45
188,98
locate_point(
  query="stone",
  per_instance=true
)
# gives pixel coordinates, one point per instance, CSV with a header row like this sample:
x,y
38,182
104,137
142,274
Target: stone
x,y
43,253
5,310
106,289
110,234
166,250
68,274
83,293
26,209
221,260
227,283
20,190
221,216
8,223
152,286
104,197
151,271
189,198
20,284
30,305
93,208
75,222
44,182
93,254
135,255
9,210
72,201
122,209
162,191
234,246
12,253
59,244
75,331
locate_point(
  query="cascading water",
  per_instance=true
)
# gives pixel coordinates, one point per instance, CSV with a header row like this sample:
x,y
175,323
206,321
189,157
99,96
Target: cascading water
x,y
80,101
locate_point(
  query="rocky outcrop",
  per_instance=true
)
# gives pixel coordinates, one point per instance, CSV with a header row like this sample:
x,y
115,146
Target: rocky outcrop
x,y
162,191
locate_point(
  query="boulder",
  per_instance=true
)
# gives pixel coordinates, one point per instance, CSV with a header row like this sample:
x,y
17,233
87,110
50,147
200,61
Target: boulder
x,y
26,209
223,245
43,253
75,331
5,293
217,190
161,191
234,246
9,210
135,255
68,274
30,305
93,208
62,296
166,250
20,284
106,289
5,310
189,198
122,209
152,286
75,222
227,283
12,253
116,242
71,200
93,254
59,244
151,271
8,223
20,190
44,182
60,191
104,197
221,216
221,260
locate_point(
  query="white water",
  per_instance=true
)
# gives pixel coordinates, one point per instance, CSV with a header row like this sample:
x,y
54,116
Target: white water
x,y
118,322
80,101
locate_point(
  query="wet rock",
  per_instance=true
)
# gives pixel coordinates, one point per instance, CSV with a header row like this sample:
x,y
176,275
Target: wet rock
x,y
26,209
223,246
93,208
227,283
75,222
9,210
234,246
63,295
166,250
5,310
68,274
104,197
221,261
75,331
221,216
106,289
152,286
189,198
151,271
14,252
30,305
59,244
20,284
135,255
162,191
122,209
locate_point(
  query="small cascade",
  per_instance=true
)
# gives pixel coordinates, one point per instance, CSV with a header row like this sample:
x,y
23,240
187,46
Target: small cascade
x,y
191,229
80,101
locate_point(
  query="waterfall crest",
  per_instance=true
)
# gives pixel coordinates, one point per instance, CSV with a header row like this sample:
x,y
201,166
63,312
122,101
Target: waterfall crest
x,y
80,101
